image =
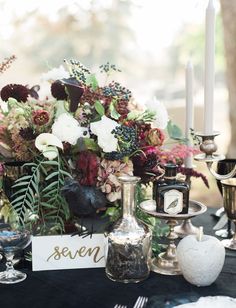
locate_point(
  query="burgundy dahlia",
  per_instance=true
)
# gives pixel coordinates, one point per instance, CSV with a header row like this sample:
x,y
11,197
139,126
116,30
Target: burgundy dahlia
x,y
17,91
40,117
58,90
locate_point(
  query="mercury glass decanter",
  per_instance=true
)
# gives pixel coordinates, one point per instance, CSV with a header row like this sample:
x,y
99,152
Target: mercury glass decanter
x,y
129,240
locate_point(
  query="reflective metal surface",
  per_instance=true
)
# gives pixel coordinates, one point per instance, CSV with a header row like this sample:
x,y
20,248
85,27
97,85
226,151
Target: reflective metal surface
x,y
166,263
229,198
129,241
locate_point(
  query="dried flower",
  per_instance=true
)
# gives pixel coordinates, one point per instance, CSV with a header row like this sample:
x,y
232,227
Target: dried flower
x,y
7,63
17,91
108,172
192,172
155,137
40,117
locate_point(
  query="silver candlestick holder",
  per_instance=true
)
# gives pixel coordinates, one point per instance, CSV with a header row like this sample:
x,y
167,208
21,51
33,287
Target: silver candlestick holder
x,y
186,227
209,155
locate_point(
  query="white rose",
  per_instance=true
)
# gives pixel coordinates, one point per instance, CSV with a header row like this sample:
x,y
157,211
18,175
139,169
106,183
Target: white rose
x,y
55,74
102,129
67,129
158,107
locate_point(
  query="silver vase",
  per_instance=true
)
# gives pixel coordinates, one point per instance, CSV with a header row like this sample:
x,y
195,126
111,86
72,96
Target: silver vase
x,y
129,240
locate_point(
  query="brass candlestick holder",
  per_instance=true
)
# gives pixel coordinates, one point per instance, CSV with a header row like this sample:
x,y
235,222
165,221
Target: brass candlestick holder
x,y
186,227
209,147
166,263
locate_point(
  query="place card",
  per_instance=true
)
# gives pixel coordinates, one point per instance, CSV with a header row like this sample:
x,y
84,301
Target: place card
x,y
67,252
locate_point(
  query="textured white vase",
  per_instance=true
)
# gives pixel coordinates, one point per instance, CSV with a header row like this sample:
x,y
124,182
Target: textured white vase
x,y
200,261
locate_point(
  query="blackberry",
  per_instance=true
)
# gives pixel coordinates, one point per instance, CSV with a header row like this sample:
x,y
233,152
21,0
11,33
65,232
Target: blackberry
x,y
116,89
127,141
79,70
107,68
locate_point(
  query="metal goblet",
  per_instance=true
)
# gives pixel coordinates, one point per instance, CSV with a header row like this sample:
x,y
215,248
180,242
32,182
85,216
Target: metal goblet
x,y
229,198
224,167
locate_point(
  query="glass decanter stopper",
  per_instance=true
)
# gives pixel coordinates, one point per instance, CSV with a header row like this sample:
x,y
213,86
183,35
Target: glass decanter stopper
x,y
129,240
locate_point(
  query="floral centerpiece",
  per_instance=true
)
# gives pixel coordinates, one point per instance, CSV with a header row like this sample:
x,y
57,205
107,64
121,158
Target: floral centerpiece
x,y
76,141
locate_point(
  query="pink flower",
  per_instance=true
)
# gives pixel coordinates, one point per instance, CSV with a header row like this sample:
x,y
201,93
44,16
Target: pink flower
x,y
176,154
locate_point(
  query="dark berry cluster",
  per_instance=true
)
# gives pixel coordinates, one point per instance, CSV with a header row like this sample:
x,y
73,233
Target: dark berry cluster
x,y
127,141
116,89
79,70
106,68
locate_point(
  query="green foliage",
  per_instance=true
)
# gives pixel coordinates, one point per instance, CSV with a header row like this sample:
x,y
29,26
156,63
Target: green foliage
x,y
114,114
99,108
175,132
38,202
92,81
90,144
147,116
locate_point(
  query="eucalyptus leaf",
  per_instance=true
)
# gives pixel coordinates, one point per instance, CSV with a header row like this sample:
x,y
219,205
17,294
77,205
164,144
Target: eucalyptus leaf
x,y
174,131
114,113
99,108
91,80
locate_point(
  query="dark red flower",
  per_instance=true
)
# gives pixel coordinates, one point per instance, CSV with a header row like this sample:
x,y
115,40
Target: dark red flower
x,y
87,166
27,133
17,91
58,90
155,137
40,117
146,166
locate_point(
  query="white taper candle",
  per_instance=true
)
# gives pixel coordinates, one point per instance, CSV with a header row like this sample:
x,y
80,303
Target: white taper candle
x,y
189,115
209,68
